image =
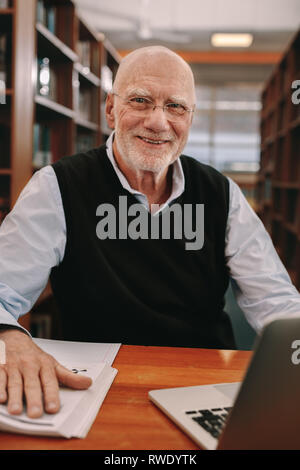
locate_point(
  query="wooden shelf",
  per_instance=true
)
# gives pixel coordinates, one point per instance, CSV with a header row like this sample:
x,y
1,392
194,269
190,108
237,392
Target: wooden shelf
x,y
51,45
47,123
291,228
52,106
92,126
87,75
6,11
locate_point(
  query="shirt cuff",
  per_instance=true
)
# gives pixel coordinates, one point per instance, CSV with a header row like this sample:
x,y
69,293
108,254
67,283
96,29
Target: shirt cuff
x,y
8,322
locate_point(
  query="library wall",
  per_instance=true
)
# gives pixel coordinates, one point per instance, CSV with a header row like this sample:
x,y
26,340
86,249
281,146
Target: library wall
x,y
278,189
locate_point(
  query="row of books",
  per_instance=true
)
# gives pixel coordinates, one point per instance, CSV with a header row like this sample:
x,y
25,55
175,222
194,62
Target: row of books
x,y
85,104
83,97
88,55
46,14
84,53
42,154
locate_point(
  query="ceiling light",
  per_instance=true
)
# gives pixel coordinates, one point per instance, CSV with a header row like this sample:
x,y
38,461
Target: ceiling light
x,y
231,40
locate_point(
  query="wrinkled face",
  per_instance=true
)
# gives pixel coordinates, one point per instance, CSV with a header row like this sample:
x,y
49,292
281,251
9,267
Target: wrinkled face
x,y
151,142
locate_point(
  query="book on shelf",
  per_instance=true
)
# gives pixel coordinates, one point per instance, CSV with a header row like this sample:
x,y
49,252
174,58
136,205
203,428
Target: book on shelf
x,y
84,142
46,79
42,154
268,189
2,89
84,53
46,14
4,3
76,90
79,408
3,71
85,104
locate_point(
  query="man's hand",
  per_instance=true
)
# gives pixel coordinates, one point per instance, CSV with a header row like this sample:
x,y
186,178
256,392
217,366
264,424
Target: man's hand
x,y
31,372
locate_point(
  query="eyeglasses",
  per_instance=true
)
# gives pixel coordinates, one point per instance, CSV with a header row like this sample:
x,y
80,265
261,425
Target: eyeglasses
x,y
141,107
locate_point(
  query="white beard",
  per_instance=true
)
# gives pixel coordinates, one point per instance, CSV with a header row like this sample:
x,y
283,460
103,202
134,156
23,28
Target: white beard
x,y
154,160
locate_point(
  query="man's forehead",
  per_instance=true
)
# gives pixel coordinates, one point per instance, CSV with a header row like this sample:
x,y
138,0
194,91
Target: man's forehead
x,y
158,66
156,85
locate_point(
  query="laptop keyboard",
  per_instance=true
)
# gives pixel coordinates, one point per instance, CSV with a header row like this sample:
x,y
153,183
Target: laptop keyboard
x,y
211,420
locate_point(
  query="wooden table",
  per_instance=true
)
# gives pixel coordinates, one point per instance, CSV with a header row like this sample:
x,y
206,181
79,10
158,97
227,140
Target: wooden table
x,y
127,419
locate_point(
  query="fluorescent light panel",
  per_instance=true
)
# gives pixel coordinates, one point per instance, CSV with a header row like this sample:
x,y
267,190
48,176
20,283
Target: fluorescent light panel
x,y
231,39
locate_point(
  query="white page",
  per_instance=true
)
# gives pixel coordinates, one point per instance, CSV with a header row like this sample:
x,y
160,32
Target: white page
x,y
69,351
80,421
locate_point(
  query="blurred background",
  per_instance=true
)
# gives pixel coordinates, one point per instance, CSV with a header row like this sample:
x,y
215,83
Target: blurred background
x,y
229,80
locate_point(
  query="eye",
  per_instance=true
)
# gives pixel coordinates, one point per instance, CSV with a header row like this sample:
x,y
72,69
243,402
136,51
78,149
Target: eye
x,y
139,100
176,108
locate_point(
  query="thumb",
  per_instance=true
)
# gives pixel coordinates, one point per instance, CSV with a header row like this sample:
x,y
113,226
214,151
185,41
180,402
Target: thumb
x,y
69,379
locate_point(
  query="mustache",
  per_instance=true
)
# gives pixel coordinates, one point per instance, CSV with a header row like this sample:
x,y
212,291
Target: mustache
x,y
154,136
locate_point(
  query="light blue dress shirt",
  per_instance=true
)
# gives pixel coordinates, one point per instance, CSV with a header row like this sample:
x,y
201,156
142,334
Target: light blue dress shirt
x,y
33,239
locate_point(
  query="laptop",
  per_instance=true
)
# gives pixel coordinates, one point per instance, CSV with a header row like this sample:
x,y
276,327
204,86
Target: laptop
x,y
261,412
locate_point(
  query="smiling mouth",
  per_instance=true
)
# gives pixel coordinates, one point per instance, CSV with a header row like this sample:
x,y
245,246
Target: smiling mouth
x,y
152,141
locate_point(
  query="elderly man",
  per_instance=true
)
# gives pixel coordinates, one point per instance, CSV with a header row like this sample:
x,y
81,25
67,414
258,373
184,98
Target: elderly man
x,y
100,224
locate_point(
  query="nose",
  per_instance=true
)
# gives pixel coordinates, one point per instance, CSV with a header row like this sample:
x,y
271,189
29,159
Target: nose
x,y
156,120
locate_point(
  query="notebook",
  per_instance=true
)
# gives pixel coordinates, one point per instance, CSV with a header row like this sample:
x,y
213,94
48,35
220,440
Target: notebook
x,y
79,408
261,412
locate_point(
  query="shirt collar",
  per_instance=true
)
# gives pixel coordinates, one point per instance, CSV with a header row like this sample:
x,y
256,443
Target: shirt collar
x,y
178,180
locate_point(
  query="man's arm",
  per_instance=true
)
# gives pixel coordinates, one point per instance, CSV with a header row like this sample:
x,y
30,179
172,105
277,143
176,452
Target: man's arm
x,y
261,284
32,241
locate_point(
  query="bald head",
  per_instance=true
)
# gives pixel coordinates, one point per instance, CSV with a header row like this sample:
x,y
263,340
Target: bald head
x,y
154,61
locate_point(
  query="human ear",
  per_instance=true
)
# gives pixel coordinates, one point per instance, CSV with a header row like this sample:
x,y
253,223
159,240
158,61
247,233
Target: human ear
x,y
109,111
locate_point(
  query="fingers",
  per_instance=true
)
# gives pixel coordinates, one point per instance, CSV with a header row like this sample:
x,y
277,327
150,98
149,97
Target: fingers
x,y
50,387
15,391
68,378
24,383
39,384
34,380
3,384
32,390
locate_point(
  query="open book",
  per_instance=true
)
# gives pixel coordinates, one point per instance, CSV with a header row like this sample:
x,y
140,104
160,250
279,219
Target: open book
x,y
79,408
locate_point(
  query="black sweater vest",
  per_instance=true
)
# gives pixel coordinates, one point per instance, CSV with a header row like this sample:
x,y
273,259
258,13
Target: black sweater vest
x,y
140,291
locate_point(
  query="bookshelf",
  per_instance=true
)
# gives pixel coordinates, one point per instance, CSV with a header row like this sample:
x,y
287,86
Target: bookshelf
x,y
51,89
278,187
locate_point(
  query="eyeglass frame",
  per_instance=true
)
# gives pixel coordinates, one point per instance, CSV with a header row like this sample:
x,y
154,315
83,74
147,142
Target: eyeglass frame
x,y
186,110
